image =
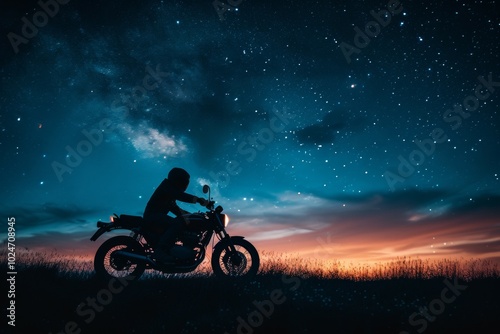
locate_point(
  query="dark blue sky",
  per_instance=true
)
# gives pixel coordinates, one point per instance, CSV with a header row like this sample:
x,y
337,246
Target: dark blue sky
x,y
321,123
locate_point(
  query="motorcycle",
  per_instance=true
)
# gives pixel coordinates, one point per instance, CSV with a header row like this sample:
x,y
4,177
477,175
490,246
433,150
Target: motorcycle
x,y
129,256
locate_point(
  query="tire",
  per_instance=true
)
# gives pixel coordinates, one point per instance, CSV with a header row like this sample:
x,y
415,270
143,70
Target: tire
x,y
106,266
243,263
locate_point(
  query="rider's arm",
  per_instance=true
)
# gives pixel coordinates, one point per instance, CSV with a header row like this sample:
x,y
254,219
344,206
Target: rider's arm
x,y
188,198
185,197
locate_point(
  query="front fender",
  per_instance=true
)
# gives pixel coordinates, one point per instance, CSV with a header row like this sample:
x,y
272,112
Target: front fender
x,y
103,228
226,242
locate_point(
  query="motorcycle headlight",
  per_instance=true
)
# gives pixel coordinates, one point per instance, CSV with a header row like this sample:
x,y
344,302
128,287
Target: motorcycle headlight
x,y
226,220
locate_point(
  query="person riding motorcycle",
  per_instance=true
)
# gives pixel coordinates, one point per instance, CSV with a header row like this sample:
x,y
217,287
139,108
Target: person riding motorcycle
x,y
163,201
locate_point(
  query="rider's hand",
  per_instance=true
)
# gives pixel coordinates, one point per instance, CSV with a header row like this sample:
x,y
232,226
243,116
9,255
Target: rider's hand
x,y
202,201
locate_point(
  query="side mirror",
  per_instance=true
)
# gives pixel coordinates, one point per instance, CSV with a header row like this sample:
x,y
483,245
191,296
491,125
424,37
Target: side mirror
x,y
206,189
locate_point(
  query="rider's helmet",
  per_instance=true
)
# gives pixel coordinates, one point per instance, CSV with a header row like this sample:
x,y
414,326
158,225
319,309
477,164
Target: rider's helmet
x,y
179,177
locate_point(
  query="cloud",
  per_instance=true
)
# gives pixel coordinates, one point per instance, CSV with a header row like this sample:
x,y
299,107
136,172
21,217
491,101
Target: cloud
x,y
368,235
322,132
477,247
376,208
152,143
277,234
33,220
63,243
486,203
376,221
36,215
411,199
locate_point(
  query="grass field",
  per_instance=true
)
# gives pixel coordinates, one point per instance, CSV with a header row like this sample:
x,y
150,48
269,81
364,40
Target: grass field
x,y
290,295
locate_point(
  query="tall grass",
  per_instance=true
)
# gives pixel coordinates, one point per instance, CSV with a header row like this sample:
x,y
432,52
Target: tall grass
x,y
52,264
272,263
401,267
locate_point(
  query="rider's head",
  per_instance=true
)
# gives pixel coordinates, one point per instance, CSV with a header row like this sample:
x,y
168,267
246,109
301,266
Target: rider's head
x,y
179,177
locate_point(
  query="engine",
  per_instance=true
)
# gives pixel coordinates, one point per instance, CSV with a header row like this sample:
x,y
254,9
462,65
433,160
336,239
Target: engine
x,y
190,239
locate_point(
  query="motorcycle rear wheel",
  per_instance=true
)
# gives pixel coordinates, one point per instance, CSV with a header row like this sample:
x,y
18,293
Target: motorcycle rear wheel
x,y
244,261
108,266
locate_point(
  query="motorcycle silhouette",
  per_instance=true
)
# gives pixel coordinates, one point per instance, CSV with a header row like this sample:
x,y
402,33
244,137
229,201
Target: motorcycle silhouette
x,y
129,256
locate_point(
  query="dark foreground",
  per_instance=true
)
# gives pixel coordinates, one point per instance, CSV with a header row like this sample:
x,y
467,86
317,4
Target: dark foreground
x,y
49,303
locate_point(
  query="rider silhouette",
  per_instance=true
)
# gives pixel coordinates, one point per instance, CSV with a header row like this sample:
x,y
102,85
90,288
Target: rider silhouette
x,y
156,217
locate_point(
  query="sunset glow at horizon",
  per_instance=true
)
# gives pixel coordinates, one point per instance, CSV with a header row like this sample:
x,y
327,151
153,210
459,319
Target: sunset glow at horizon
x,y
355,236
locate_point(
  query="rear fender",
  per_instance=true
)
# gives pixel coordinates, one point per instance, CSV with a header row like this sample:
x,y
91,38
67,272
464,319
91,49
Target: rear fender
x,y
98,233
105,227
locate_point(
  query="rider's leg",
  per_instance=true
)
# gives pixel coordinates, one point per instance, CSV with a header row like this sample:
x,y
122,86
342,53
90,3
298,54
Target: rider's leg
x,y
167,239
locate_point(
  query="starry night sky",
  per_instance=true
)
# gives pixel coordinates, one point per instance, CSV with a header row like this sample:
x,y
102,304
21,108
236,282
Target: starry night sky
x,y
305,128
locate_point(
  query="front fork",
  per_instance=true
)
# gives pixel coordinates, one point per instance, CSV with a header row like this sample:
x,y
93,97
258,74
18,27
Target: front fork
x,y
227,240
221,233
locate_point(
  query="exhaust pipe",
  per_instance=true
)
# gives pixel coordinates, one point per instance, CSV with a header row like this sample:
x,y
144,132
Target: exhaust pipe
x,y
136,257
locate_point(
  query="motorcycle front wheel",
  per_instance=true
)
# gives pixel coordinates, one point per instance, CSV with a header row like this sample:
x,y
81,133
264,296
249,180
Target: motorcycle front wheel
x,y
244,261
108,265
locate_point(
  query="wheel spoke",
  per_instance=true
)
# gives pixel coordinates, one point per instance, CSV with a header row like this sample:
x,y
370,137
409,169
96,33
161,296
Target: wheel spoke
x,y
118,267
237,263
107,264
